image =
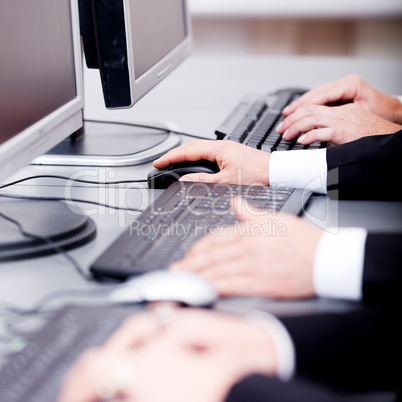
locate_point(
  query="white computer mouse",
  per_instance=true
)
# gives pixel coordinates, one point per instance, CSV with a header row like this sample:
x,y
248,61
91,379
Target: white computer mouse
x,y
183,287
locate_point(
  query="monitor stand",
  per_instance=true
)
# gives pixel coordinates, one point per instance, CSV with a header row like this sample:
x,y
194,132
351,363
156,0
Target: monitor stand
x,y
54,222
103,144
111,144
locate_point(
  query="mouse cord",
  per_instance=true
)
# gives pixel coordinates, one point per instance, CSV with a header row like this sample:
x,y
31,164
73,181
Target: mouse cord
x,y
49,242
15,338
7,308
61,199
165,129
74,180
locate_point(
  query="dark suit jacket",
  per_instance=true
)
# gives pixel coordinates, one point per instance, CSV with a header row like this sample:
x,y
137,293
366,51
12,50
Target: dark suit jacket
x,y
342,353
338,355
360,350
367,169
370,169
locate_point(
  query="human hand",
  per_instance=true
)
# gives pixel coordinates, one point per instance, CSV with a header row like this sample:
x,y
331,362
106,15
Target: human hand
x,y
337,124
109,369
238,163
351,89
198,356
266,255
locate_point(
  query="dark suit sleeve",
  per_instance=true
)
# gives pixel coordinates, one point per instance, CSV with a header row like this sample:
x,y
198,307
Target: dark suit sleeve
x,y
342,353
368,168
355,351
337,354
258,388
358,351
382,272
332,348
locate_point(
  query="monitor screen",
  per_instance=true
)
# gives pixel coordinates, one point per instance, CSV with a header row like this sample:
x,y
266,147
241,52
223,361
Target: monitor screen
x,y
40,78
158,27
134,44
37,76
137,43
159,39
41,92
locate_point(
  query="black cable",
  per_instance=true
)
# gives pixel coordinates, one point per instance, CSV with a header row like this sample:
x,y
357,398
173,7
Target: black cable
x,y
57,294
61,199
39,305
166,129
44,176
49,242
58,249
37,309
24,314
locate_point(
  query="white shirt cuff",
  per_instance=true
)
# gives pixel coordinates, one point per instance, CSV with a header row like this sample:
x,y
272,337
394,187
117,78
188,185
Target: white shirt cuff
x,y
398,97
306,169
338,264
283,344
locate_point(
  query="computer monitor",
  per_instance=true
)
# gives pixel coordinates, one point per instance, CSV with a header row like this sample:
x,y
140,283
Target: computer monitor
x,y
41,104
41,89
134,44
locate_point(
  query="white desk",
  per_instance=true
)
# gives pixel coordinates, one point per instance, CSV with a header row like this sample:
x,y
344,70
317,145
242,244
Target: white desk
x,y
195,98
203,90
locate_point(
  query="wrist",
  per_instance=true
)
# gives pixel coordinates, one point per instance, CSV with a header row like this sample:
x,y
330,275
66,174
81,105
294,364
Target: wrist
x,y
261,356
262,164
282,351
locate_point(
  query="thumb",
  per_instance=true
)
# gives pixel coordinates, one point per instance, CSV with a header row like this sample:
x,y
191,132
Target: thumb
x,y
201,177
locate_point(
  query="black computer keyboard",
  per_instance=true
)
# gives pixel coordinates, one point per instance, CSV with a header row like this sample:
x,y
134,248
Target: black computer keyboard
x,y
254,120
182,214
35,374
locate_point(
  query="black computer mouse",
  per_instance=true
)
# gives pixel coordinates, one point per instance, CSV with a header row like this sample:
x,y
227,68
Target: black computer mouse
x,y
163,178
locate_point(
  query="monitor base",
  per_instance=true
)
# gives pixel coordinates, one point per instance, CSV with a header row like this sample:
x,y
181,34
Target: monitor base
x,y
110,144
46,219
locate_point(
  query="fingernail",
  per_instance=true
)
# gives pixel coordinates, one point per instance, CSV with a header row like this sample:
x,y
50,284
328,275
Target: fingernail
x,y
278,128
286,109
285,134
185,178
302,138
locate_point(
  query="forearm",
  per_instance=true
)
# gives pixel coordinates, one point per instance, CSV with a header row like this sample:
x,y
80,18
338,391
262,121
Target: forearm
x,y
361,169
355,351
366,168
382,275
341,352
259,388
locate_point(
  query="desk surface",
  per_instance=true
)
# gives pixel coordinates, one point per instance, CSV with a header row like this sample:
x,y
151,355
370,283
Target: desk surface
x,y
195,98
199,94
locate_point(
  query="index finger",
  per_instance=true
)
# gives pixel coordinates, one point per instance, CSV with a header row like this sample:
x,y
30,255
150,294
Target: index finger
x,y
316,96
191,151
322,95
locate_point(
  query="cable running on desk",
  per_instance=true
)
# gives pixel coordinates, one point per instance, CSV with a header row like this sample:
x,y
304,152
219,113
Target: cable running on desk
x,y
104,183
167,130
49,242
